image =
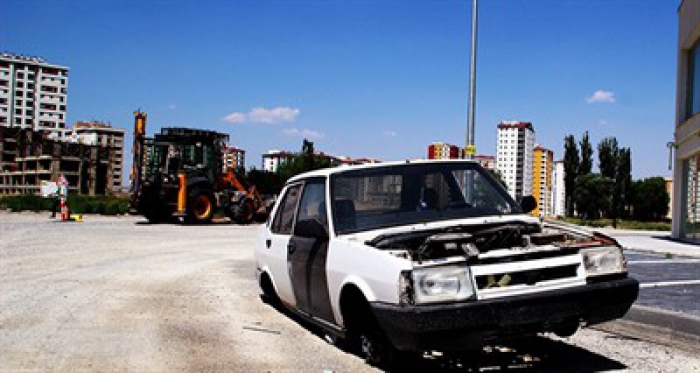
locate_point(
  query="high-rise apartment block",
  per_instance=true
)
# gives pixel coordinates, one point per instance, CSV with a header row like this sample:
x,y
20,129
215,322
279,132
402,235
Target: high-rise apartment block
x,y
32,93
234,158
543,161
443,150
558,189
516,141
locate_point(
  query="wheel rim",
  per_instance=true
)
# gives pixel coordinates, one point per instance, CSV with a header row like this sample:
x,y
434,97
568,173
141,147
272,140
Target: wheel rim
x,y
202,207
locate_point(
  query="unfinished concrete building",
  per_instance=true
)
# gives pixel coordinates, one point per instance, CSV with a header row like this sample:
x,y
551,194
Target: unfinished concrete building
x,y
29,157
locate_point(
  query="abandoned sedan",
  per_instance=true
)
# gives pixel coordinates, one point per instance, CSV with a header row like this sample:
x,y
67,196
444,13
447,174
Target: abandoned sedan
x,y
431,256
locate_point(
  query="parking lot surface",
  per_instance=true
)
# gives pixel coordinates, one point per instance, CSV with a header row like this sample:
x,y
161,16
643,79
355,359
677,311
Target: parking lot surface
x,y
119,294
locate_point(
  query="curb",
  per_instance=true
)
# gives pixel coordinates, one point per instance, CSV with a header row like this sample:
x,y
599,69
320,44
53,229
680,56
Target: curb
x,y
657,325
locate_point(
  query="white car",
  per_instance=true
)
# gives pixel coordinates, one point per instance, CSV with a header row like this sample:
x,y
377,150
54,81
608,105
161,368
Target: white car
x,y
431,256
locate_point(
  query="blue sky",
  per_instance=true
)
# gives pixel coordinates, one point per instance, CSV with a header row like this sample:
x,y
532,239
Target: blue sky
x,y
376,79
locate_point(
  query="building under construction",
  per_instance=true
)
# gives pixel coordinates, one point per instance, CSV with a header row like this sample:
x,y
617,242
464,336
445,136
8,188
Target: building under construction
x,y
27,158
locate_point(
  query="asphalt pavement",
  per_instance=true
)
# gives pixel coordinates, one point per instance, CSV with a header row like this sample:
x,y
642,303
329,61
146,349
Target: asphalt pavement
x,y
668,306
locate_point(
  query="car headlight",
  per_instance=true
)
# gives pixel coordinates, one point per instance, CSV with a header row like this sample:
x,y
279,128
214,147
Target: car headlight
x,y
603,261
442,284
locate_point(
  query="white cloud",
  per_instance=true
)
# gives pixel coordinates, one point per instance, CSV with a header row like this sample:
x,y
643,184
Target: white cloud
x,y
601,96
172,106
263,115
305,132
390,133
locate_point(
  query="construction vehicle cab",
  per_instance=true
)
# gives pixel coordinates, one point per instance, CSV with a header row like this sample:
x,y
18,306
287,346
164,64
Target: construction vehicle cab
x,y
179,174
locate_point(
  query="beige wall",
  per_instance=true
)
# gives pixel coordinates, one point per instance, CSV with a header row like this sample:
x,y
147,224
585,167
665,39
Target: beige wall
x,y
687,130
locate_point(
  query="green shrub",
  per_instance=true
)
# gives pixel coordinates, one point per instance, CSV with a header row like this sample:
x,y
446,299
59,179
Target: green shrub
x,y
99,208
621,224
112,208
78,204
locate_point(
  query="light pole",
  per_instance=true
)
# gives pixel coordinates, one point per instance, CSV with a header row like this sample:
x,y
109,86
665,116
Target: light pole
x,y
470,148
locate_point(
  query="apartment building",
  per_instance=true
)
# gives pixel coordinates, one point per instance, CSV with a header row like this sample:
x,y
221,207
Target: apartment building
x,y
558,189
686,168
31,157
233,158
515,144
443,150
543,161
273,159
32,93
105,136
486,161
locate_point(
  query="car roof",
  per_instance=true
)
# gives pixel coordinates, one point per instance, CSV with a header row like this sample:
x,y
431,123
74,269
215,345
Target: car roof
x,y
325,172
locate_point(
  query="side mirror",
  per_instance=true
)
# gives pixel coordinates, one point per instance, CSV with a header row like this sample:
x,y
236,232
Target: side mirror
x,y
311,228
528,203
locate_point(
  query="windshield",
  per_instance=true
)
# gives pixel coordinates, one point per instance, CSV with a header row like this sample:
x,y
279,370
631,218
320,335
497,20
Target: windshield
x,y
415,193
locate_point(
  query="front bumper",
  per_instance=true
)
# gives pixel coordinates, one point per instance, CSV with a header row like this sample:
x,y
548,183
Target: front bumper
x,y
469,325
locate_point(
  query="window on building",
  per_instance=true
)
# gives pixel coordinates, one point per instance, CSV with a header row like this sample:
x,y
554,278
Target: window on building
x,y
692,105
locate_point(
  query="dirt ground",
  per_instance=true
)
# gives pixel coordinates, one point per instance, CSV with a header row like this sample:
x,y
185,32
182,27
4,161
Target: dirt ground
x,y
117,294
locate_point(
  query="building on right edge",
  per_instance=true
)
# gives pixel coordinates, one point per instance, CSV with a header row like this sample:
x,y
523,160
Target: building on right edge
x,y
515,144
686,188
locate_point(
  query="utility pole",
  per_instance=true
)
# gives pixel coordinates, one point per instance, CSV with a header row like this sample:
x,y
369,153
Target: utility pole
x,y
470,148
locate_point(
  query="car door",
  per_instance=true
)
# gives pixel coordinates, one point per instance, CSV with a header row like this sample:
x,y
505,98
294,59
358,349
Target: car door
x,y
278,241
307,254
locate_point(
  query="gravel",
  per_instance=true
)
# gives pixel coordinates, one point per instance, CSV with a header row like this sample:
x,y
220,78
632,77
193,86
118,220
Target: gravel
x,y
117,294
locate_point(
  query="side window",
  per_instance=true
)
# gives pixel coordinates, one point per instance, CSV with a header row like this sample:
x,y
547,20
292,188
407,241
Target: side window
x,y
313,202
285,215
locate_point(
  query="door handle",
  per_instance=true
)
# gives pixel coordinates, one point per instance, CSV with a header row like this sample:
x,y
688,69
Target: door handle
x,y
291,248
268,243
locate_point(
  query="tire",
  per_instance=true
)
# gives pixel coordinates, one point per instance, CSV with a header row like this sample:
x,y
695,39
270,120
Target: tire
x,y
366,338
157,217
269,296
245,213
200,207
376,349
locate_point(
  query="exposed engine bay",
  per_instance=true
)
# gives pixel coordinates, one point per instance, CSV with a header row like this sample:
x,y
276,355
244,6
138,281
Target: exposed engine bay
x,y
473,241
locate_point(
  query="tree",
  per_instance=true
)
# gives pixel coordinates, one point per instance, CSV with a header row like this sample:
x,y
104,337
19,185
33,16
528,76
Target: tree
x,y
623,180
571,171
608,160
586,165
498,175
592,195
608,157
650,199
266,182
302,162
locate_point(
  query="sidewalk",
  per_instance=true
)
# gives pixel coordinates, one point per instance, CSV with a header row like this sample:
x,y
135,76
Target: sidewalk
x,y
658,242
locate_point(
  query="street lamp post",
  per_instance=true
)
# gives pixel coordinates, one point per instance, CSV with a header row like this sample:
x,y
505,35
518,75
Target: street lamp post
x,y
470,147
